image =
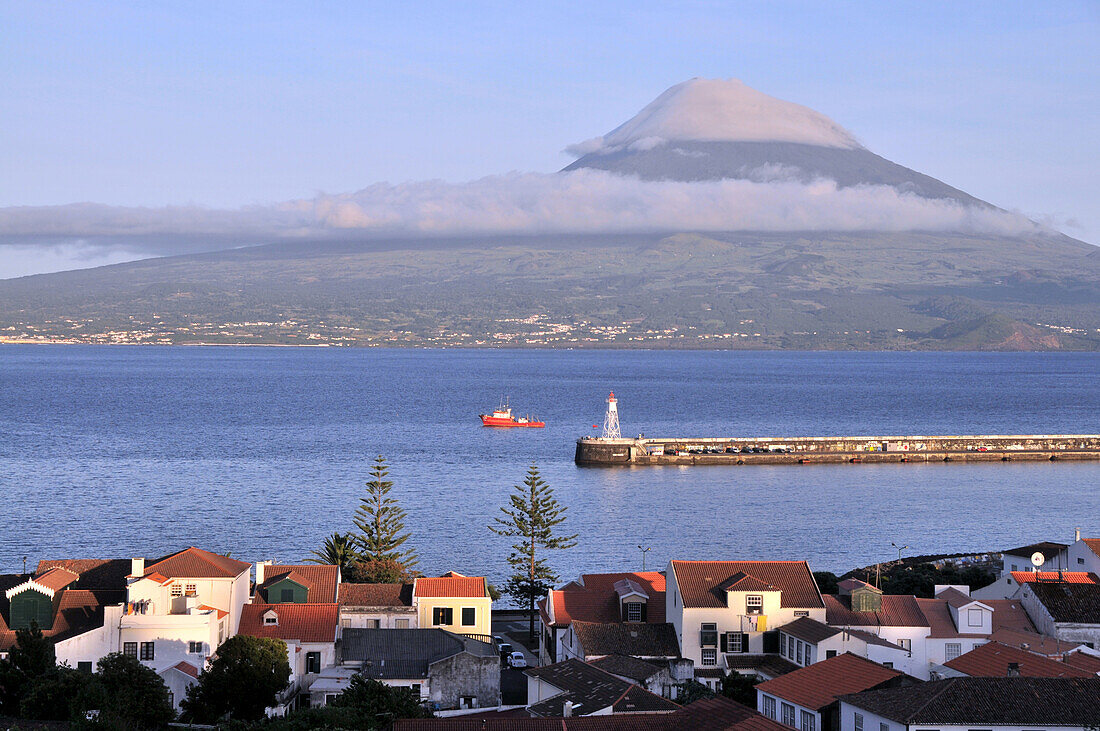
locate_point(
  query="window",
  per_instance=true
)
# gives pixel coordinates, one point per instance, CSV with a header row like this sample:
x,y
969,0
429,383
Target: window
x,y
788,713
286,595
271,618
733,642
905,644
708,634
754,603
401,624
802,613
710,656
171,699
790,647
443,615
191,590
84,667
147,651
345,622
974,617
1080,560
769,706
415,689
129,649
1008,580
633,611
808,721
830,653
1015,568
194,648
859,722
883,727
313,662
952,650
469,616
373,624
798,652
177,590
888,665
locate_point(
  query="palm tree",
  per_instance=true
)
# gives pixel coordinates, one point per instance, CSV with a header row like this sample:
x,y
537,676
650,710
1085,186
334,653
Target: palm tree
x,y
339,549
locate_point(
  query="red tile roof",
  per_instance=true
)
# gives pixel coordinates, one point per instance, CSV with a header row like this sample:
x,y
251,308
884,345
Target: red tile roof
x,y
699,581
651,581
743,582
1066,577
1007,614
898,610
56,578
1032,642
375,595
992,659
450,585
1084,661
596,600
818,685
94,573
319,579
186,668
195,563
1093,544
302,622
75,611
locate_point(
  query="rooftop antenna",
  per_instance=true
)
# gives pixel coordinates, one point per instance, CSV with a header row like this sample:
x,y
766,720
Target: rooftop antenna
x,y
611,420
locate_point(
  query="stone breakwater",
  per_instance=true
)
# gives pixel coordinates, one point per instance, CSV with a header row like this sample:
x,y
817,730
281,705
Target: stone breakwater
x,y
822,450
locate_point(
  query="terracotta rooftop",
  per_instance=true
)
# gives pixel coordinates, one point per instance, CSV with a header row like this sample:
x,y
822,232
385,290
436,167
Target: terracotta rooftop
x,y
1032,641
651,581
320,580
743,582
992,659
76,611
898,610
1093,544
1084,661
195,563
1007,613
597,600
818,685
56,578
187,668
710,714
1068,577
93,573
699,581
302,622
985,702
450,585
375,595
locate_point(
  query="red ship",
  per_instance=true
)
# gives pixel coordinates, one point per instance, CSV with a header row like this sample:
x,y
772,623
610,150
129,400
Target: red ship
x,y
503,417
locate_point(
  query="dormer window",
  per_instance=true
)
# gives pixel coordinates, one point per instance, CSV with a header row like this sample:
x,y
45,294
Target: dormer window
x,y
633,611
271,619
754,603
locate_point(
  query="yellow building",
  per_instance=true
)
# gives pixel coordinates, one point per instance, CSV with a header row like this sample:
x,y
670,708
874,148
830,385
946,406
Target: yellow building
x,y
456,603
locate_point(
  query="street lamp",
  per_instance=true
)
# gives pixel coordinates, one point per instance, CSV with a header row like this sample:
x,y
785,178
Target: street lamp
x,y
900,549
644,552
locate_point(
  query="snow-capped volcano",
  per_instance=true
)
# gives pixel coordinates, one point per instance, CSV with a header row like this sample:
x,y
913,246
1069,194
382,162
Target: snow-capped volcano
x,y
708,129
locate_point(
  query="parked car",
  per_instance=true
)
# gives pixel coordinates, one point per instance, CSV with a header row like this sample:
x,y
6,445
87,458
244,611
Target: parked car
x,y
505,649
517,660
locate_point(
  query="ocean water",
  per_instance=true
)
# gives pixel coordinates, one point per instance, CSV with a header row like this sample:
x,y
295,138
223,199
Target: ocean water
x,y
262,452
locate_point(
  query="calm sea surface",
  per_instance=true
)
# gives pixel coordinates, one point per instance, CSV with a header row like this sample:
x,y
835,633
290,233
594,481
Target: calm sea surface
x,y
262,452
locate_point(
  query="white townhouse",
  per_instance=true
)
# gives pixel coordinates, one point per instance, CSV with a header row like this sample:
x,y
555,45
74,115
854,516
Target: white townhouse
x,y
893,618
182,607
1084,555
806,641
728,608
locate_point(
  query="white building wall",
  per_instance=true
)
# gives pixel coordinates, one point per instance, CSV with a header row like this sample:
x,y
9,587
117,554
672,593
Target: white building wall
x,y
871,723
351,617
172,635
798,711
91,646
1082,558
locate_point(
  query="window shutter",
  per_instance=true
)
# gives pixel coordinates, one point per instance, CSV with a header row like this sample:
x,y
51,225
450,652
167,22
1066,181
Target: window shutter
x,y
645,612
744,642
725,645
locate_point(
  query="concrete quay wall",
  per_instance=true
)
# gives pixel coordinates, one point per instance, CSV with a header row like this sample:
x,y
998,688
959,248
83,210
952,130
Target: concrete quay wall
x,y
823,450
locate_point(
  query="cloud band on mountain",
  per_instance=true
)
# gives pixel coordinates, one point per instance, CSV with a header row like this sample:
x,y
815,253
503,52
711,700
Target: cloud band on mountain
x,y
580,201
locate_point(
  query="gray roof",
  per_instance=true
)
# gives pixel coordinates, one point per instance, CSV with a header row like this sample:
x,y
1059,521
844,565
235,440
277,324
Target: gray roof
x,y
1069,602
405,653
591,689
634,639
987,701
626,667
809,630
1047,548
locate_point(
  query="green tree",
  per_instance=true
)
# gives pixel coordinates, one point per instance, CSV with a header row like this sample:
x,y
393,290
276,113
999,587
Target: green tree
x,y
377,704
532,517
740,688
30,658
339,549
826,582
386,571
245,678
692,690
381,522
62,694
133,696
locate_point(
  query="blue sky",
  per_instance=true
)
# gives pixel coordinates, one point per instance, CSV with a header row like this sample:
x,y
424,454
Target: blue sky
x,y
226,104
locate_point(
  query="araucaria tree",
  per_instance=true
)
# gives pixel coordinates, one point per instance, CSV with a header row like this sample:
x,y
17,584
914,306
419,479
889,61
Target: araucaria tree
x,y
381,522
532,516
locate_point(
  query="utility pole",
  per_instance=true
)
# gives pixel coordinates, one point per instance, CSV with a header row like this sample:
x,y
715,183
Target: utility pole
x,y
644,552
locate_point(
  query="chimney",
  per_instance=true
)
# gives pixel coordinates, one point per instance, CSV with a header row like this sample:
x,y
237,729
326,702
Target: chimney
x,y
137,567
1076,534
260,565
567,709
1013,670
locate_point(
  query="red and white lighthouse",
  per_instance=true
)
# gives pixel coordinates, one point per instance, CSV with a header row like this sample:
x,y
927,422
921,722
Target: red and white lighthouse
x,y
611,419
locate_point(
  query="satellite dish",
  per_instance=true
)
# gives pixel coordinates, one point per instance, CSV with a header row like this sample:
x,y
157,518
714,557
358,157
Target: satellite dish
x,y
1037,559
